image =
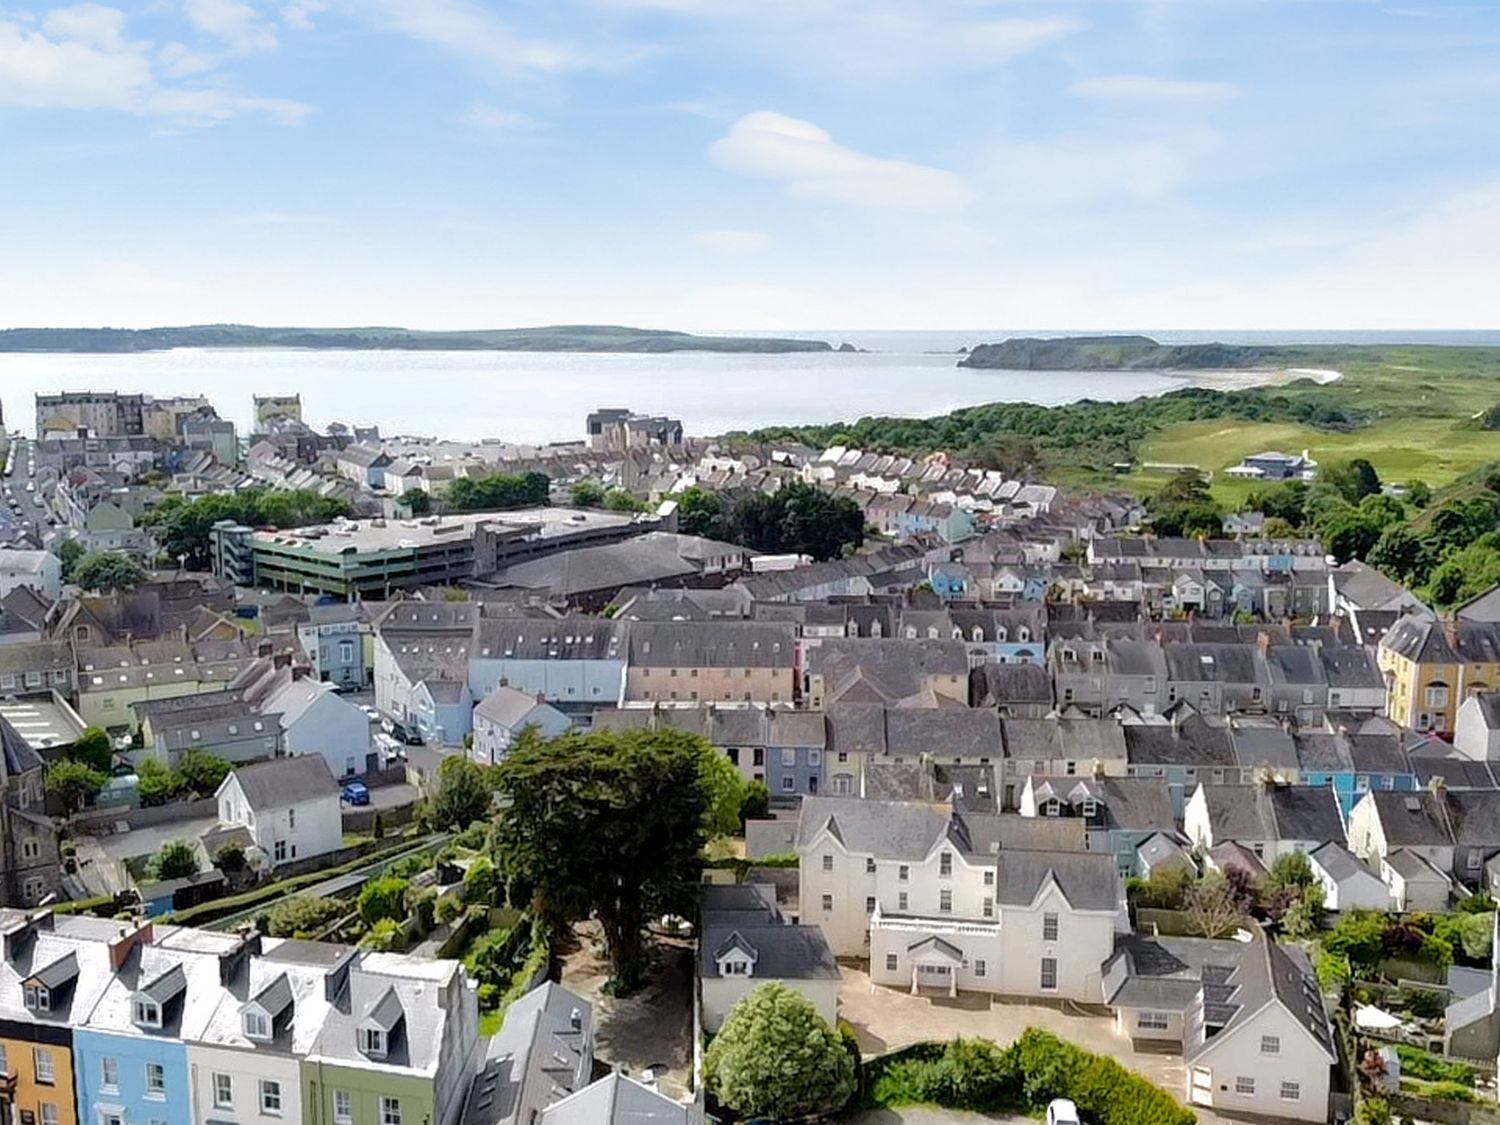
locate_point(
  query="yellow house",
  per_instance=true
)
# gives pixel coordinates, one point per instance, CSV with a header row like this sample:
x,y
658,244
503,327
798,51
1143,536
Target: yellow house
x,y
111,679
1432,666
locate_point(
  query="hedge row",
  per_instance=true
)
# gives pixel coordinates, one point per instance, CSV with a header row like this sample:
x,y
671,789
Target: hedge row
x,y
976,1074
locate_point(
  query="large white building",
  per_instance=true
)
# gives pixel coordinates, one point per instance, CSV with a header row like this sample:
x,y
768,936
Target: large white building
x,y
939,899
289,806
41,570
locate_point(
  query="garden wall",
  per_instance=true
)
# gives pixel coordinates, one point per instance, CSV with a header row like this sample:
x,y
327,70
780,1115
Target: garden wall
x,y
1443,1111
101,822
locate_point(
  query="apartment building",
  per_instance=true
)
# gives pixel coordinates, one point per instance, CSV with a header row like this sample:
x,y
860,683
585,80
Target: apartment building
x,y
712,662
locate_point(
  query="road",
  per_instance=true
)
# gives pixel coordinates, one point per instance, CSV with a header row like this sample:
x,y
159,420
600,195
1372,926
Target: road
x,y
22,512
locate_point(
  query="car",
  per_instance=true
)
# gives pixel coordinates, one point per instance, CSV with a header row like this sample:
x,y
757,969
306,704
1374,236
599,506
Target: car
x,y
370,712
355,793
1060,1111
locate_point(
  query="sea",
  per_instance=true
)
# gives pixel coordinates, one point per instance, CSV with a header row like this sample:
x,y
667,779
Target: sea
x,y
534,398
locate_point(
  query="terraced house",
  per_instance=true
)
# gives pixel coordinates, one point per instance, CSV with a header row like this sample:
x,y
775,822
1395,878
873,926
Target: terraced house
x,y
1432,666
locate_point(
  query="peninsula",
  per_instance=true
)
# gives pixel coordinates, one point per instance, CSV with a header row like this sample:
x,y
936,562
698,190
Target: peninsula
x,y
1124,353
552,338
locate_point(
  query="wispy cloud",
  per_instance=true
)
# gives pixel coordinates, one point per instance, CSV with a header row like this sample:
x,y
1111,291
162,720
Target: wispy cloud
x,y
482,115
728,241
1144,88
299,14
233,23
81,58
472,31
812,165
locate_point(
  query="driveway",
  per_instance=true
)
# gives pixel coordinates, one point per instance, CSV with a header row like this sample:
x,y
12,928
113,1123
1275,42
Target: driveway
x,y
887,1019
148,841
924,1115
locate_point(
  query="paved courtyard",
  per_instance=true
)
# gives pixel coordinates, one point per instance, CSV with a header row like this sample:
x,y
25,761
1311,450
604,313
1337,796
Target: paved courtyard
x,y
887,1019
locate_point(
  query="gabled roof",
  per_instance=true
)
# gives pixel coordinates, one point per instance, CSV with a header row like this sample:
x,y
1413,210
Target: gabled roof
x,y
282,782
1266,973
386,1012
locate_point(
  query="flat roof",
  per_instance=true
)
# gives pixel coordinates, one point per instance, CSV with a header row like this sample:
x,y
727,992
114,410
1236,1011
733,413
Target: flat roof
x,y
43,721
370,536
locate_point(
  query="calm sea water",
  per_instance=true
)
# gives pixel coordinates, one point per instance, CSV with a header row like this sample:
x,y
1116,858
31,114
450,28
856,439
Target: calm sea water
x,y
543,397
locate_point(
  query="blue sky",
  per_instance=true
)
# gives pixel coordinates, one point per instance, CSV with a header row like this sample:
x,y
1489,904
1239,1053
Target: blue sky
x,y
759,164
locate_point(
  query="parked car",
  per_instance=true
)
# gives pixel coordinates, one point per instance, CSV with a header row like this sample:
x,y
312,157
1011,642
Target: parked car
x,y
356,793
370,712
1060,1111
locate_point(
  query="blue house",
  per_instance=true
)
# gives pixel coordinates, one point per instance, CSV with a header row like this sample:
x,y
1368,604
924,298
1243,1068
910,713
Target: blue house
x,y
1354,764
949,581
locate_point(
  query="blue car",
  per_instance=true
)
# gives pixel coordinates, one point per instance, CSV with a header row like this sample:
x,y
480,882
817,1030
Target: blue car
x,y
355,793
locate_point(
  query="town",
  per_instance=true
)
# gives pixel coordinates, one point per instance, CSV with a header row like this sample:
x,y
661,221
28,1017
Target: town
x,y
356,778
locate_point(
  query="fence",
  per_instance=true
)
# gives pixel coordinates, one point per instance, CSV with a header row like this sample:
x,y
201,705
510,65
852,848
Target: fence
x,y
103,822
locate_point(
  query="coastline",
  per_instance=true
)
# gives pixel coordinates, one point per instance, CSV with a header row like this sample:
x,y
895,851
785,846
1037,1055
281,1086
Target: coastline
x,y
1248,378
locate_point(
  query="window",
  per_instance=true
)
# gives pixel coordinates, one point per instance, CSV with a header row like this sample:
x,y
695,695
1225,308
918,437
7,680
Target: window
x,y
1270,1044
988,907
38,999
945,901
30,849
270,1097
291,818
903,873
49,1113
827,904
980,968
788,784
1244,1085
869,867
759,756
1049,973
945,864
1049,927
1291,1091
789,757
1152,1021
346,652
41,1060
828,863
148,1013
390,1111
156,1080
372,1041
989,878
257,1026
815,757
733,754
736,968
223,1091
901,901
870,904
343,1108
891,962
280,851
109,1073
1437,695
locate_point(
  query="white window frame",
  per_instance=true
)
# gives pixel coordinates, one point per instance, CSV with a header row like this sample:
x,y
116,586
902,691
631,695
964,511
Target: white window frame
x,y
1291,1091
109,1074
1049,963
1152,1021
1270,1044
223,1087
157,1089
1244,1085
44,1066
343,1107
270,1091
390,1111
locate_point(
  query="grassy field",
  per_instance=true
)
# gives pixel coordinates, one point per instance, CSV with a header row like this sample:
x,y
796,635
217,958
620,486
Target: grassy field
x,y
1420,398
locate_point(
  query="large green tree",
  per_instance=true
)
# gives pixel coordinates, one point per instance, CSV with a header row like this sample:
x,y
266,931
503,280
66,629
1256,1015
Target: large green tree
x,y
74,782
799,519
107,572
701,512
182,527
608,824
93,749
462,795
175,860
776,1057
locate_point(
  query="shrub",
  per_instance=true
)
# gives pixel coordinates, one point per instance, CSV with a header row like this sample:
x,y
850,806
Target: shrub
x,y
157,784
201,771
447,909
776,1057
1104,1091
489,997
176,860
383,898
1373,1111
302,914
231,857
480,882
1417,1063
385,936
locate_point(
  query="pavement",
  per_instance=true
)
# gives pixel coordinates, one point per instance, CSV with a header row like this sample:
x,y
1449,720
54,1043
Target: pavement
x,y
393,796
888,1019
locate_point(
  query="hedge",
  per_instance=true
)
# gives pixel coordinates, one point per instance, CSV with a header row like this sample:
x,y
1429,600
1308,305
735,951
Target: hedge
x,y
1417,1063
975,1074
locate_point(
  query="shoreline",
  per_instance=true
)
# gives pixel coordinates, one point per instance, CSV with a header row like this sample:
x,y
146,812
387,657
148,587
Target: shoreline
x,y
1248,378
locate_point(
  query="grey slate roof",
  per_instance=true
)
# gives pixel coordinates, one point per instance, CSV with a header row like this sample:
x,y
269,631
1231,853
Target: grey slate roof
x,y
616,1100
1410,819
1264,973
281,782
712,644
1190,742
539,1056
779,951
1162,973
1089,881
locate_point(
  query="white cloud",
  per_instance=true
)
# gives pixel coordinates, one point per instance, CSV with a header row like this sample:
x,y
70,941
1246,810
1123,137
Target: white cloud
x,y
482,115
1144,88
467,29
81,59
299,14
1082,168
727,241
233,23
813,165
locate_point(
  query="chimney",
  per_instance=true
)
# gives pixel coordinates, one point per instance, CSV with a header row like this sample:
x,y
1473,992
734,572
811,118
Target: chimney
x,y
337,977
119,949
541,697
263,647
230,961
14,941
281,660
504,681
1263,641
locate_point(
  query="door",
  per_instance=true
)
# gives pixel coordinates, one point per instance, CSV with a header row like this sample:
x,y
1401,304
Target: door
x,y
1202,1092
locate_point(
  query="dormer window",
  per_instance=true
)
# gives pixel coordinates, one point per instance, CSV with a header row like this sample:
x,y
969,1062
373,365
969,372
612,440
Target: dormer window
x,y
736,968
38,999
146,1013
372,1042
257,1025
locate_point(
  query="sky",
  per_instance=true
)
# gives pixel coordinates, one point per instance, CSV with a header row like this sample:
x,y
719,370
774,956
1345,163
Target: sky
x,y
752,164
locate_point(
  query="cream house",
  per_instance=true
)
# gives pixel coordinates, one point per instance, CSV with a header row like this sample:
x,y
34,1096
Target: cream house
x,y
935,902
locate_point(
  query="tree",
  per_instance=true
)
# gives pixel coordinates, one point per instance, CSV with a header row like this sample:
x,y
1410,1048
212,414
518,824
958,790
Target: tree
x,y
108,572
701,512
721,780
385,936
201,771
1355,479
230,858
756,804
481,882
500,490
303,915
1211,908
1183,507
94,749
799,519
1382,510
586,494
68,552
1304,917
462,795
1283,501
776,1057
1359,937
621,500
1291,869
175,860
1349,536
1400,554
609,824
417,501
183,528
383,898
156,784
74,783
1419,492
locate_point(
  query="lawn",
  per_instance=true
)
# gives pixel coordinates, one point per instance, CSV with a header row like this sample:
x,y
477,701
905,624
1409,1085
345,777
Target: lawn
x,y
1420,398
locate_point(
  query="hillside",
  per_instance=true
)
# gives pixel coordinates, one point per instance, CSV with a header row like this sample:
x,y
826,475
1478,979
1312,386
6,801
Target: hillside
x,y
1123,353
555,338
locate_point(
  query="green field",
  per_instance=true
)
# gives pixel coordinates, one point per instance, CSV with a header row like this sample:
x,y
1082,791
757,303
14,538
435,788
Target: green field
x,y
1421,399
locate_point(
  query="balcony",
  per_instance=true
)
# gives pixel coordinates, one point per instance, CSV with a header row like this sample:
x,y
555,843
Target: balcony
x,y
927,924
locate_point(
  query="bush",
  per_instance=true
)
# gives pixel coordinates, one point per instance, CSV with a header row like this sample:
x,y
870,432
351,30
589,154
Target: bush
x,y
385,936
157,784
201,771
489,997
231,857
1373,1111
447,909
176,860
973,1074
1104,1091
302,915
480,882
383,899
1417,1063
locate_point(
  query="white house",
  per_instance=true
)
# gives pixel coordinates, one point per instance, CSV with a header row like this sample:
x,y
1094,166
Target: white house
x,y
503,714
41,570
1414,882
934,900
745,942
1476,728
1348,882
315,719
290,807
